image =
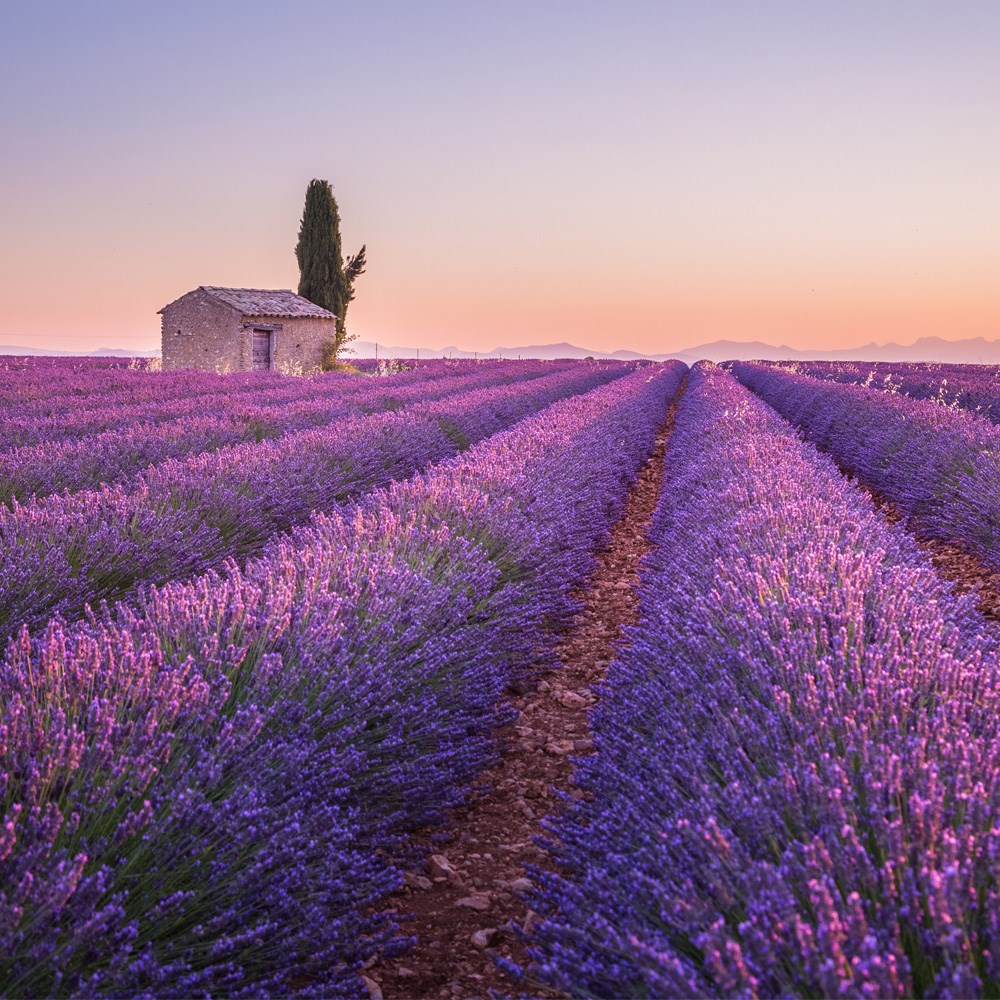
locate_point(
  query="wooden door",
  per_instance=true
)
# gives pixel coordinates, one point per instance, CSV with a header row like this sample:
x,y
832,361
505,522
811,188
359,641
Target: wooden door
x,y
261,350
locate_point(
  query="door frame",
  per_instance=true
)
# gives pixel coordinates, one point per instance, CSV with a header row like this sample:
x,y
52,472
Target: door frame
x,y
271,332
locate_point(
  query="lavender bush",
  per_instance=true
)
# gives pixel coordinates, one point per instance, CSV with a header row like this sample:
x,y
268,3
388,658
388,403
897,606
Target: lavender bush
x,y
968,387
50,382
796,790
197,786
940,466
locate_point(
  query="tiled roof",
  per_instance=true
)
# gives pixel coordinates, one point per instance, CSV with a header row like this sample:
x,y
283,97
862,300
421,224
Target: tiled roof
x,y
264,302
267,302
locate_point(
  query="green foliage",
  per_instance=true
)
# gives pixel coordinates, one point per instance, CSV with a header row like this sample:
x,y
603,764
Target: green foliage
x,y
328,361
328,356
318,250
324,277
454,433
260,430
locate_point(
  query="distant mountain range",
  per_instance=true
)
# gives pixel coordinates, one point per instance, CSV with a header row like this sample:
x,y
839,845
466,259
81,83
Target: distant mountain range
x,y
101,352
973,351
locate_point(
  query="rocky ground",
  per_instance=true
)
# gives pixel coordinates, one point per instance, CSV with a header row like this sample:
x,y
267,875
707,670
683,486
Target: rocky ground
x,y
465,905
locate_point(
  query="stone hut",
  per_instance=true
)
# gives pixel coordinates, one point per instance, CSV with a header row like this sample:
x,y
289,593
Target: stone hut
x,y
239,329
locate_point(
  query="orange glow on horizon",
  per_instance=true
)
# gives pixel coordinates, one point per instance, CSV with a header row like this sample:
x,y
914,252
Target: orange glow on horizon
x,y
648,177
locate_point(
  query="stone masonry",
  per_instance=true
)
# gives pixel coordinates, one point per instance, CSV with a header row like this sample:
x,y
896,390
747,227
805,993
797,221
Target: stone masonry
x,y
213,328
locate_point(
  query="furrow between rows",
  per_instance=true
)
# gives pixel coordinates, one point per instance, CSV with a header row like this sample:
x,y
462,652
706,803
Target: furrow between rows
x,y
465,896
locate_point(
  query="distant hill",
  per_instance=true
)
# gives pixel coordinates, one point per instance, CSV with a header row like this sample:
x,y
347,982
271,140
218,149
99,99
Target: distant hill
x,y
101,352
974,351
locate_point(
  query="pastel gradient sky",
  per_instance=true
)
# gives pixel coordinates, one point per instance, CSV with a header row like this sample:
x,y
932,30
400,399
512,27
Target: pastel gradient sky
x,y
623,174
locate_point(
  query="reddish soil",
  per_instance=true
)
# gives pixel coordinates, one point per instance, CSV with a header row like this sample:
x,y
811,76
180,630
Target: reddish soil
x,y
465,903
951,559
966,571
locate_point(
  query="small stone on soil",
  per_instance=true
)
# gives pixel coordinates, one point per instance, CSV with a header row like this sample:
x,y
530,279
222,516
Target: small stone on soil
x,y
484,937
373,988
439,865
416,881
481,901
570,700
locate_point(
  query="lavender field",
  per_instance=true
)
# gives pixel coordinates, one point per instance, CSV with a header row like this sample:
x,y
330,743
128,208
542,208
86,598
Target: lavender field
x,y
264,635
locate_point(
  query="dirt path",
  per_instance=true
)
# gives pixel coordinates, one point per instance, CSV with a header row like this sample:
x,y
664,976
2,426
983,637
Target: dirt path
x,y
466,901
951,559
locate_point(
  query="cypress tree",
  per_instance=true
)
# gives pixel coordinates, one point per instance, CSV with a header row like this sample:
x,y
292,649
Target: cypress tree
x,y
324,278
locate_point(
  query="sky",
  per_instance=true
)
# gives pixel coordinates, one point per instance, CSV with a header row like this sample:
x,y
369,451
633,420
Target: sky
x,y
620,174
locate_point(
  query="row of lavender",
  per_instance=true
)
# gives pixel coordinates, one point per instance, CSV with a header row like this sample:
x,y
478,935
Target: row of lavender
x,y
46,389
67,414
18,363
71,462
197,786
796,789
968,387
51,384
182,517
939,466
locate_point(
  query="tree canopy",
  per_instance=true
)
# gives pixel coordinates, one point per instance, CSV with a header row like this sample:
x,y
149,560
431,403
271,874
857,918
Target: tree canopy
x,y
324,276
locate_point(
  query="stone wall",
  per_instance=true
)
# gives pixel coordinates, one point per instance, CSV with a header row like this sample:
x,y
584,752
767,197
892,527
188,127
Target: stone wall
x,y
299,342
201,332
198,331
